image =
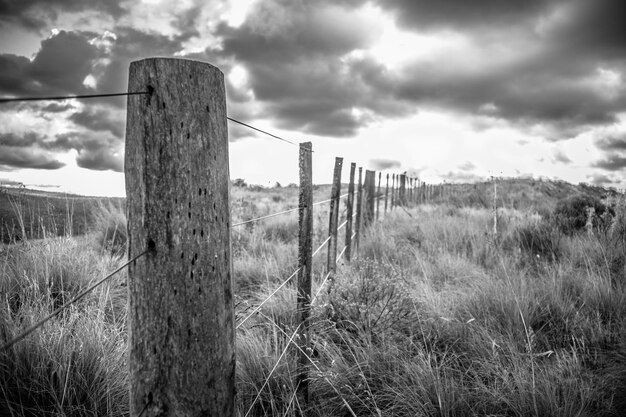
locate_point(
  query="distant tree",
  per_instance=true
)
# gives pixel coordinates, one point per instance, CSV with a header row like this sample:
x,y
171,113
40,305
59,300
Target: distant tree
x,y
239,182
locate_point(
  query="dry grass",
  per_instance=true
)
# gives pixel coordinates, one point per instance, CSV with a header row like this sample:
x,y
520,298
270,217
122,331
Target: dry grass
x,y
435,317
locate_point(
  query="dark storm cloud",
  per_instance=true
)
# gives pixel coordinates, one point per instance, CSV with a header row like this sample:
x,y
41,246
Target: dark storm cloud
x,y
100,160
613,162
24,140
95,151
298,67
56,108
35,14
437,14
132,45
597,27
600,179
526,96
612,143
550,85
59,67
294,54
12,158
99,120
383,164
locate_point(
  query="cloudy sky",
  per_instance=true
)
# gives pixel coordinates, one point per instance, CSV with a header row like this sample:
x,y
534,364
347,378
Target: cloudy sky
x,y
448,90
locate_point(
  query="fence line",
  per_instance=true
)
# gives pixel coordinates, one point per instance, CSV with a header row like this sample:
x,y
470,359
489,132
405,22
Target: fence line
x,y
367,209
69,303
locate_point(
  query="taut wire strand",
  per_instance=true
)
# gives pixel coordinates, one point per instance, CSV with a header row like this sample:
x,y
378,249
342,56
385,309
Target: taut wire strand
x,y
79,96
69,303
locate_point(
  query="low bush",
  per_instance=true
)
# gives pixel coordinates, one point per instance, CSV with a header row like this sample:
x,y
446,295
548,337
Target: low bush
x,y
571,214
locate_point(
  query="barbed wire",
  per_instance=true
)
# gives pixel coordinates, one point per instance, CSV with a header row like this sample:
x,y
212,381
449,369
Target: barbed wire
x,y
69,303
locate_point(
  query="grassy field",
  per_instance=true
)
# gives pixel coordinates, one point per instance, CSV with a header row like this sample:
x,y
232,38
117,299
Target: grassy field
x,y
436,316
28,214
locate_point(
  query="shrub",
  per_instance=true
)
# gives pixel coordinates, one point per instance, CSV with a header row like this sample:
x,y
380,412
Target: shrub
x,y
539,240
571,213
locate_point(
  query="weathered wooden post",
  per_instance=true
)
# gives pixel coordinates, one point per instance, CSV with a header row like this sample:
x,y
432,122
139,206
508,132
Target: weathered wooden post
x,y
331,262
359,210
393,191
369,196
378,196
386,193
305,263
402,190
181,319
350,205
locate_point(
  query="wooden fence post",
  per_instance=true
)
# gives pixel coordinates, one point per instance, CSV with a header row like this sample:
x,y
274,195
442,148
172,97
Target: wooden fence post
x,y
378,196
305,262
359,209
350,205
393,191
370,190
386,192
402,190
181,318
331,263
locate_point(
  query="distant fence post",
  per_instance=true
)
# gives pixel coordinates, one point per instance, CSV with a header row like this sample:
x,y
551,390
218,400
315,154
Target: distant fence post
x,y
393,191
359,210
378,196
350,205
331,263
181,318
305,262
386,192
403,190
370,190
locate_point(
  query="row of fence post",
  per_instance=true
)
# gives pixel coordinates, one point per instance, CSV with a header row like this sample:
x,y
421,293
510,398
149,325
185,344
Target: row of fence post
x,y
181,313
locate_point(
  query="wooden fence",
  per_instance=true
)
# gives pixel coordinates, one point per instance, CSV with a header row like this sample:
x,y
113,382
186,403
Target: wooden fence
x,y
181,315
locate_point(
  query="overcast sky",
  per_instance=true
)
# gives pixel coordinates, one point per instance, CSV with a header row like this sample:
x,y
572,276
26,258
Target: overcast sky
x,y
448,90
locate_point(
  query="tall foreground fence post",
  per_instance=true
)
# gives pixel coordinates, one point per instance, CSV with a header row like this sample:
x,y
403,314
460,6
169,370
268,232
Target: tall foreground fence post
x,y
350,205
181,319
305,261
331,262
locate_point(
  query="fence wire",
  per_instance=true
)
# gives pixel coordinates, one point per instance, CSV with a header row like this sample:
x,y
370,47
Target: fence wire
x,y
295,332
69,303
79,96
291,210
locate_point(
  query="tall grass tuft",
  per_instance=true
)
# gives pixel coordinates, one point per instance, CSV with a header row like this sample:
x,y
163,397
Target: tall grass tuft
x,y
109,227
